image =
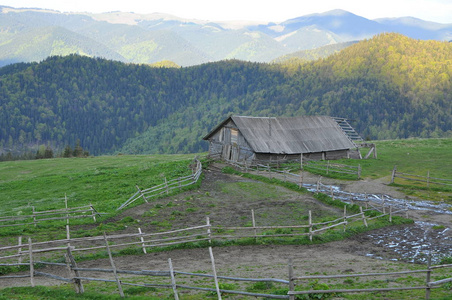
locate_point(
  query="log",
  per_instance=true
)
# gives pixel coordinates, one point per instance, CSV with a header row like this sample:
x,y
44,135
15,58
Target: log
x,y
118,282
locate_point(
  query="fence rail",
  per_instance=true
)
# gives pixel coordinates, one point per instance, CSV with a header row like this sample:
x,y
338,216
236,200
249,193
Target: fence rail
x,y
418,178
75,277
427,287
166,187
196,234
87,211
334,168
325,166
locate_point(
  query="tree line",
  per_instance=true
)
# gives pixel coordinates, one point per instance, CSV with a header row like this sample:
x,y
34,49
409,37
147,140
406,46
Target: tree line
x,y
46,152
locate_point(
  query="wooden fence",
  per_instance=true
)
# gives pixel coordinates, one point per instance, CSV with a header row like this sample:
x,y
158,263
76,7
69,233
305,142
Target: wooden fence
x,y
371,201
74,276
273,169
325,166
429,284
333,168
195,234
165,187
87,211
424,179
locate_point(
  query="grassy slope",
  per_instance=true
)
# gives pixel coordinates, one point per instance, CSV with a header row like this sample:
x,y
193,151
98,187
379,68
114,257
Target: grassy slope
x,y
108,181
413,156
104,181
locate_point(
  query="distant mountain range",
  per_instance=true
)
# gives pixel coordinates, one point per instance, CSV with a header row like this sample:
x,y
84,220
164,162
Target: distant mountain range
x,y
28,35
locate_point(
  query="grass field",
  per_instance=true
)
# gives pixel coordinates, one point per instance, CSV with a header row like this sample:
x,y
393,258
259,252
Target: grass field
x,y
416,156
413,156
108,181
105,181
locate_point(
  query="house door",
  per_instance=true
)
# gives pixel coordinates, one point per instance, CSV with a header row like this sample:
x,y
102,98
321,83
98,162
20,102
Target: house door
x,y
227,152
235,153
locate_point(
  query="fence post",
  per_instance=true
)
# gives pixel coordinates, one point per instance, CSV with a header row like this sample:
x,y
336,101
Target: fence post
x,y
254,224
34,215
166,185
345,217
67,212
301,170
291,283
364,217
393,174
384,203
93,214
310,226
331,192
217,286
141,193
327,166
71,261
390,213
173,279
359,171
32,267
301,179
429,271
19,251
366,200
112,263
428,178
209,231
142,240
68,235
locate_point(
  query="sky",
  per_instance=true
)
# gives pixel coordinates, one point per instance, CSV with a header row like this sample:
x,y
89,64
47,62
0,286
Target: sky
x,y
252,10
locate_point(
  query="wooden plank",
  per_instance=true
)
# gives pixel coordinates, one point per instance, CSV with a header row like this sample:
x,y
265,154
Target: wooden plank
x,y
72,265
112,263
217,286
32,266
173,280
356,290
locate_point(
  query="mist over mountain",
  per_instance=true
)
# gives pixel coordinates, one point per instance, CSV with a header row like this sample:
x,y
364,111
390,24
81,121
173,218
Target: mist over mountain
x,y
33,34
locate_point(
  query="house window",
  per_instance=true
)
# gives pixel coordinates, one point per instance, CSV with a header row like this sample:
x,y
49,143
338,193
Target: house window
x,y
234,136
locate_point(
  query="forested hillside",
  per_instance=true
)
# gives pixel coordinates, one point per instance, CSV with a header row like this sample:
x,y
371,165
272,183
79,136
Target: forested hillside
x,y
391,86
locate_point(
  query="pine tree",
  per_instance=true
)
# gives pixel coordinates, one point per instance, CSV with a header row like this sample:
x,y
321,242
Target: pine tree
x,y
67,151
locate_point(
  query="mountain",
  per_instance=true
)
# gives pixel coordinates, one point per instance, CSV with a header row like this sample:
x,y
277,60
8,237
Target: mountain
x,y
346,25
418,29
29,35
391,86
314,54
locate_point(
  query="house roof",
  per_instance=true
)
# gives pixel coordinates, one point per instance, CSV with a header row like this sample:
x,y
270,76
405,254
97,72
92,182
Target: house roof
x,y
304,134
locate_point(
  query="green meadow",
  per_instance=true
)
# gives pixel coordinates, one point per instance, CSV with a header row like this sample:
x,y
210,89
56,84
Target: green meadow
x,y
108,181
105,181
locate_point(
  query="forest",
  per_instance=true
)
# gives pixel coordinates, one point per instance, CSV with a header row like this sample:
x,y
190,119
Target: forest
x,y
389,86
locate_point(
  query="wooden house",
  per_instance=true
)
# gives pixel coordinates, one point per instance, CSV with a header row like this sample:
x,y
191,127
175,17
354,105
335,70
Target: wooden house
x,y
240,138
